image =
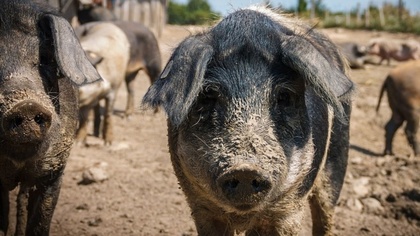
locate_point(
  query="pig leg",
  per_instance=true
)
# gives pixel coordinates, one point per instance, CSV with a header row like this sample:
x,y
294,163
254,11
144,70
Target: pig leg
x,y
130,91
107,126
4,209
391,127
208,226
153,71
411,131
22,210
269,231
41,204
97,120
322,210
82,131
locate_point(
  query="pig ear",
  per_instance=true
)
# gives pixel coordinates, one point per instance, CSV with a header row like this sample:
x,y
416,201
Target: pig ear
x,y
70,57
324,72
181,80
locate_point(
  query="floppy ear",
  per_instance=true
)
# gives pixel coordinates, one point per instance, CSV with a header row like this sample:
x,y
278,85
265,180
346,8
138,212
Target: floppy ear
x,y
320,70
181,80
69,55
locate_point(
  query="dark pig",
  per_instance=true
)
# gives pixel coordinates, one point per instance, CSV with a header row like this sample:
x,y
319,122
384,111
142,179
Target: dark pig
x,y
92,12
41,63
355,54
144,56
258,119
403,88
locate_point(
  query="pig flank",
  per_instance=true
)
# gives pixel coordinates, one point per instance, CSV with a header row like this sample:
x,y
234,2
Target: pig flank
x,y
41,63
253,106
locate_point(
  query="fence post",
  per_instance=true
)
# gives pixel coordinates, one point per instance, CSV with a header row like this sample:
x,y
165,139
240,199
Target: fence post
x,y
381,16
367,17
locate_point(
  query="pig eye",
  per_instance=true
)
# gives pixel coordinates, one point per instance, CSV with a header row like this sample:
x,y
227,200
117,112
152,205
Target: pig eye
x,y
284,99
206,101
209,96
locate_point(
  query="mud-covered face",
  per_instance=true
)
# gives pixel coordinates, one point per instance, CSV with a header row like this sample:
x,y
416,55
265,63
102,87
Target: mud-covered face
x,y
27,115
246,133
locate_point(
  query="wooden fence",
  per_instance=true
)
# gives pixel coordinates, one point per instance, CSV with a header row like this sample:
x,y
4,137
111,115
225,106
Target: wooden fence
x,y
151,13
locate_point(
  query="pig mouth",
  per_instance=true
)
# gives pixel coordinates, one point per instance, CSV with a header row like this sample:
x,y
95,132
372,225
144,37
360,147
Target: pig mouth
x,y
22,151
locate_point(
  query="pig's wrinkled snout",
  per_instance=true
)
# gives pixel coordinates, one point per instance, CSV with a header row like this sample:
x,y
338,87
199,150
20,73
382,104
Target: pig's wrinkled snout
x,y
244,187
27,122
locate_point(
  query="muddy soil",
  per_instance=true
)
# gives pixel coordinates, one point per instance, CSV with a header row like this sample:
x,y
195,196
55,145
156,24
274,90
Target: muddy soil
x,y
141,196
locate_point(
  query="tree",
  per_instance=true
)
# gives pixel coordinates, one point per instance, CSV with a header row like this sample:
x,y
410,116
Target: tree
x,y
302,5
198,5
196,12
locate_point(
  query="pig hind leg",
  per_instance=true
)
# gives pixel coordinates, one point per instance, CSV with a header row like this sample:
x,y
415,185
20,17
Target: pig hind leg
x,y
153,71
107,128
411,131
97,119
390,128
4,209
129,81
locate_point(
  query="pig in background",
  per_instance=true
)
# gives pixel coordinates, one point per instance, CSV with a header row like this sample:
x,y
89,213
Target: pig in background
x,y
356,54
397,49
258,124
403,88
108,49
125,49
90,11
41,65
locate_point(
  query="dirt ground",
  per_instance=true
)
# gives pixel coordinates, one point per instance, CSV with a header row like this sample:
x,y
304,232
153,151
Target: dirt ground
x,y
141,196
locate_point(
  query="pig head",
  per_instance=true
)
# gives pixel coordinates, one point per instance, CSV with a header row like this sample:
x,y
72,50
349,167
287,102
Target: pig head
x,y
41,63
258,110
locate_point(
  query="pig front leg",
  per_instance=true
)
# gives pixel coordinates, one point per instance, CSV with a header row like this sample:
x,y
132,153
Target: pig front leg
x,y
208,225
41,204
4,210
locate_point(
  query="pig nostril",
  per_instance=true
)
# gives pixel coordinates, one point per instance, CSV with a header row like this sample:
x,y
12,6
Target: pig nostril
x,y
256,184
260,186
231,184
15,122
40,119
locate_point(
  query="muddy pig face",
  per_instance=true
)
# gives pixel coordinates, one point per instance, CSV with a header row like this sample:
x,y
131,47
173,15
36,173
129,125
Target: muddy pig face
x,y
242,113
243,129
41,62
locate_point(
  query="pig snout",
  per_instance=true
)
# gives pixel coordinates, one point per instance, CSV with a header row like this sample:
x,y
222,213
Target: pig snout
x,y
244,186
26,122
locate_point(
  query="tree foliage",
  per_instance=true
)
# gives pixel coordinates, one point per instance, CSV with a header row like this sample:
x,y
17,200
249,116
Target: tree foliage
x,y
302,5
195,12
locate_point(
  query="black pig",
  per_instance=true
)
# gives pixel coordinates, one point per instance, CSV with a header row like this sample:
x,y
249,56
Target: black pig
x,y
258,120
41,63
